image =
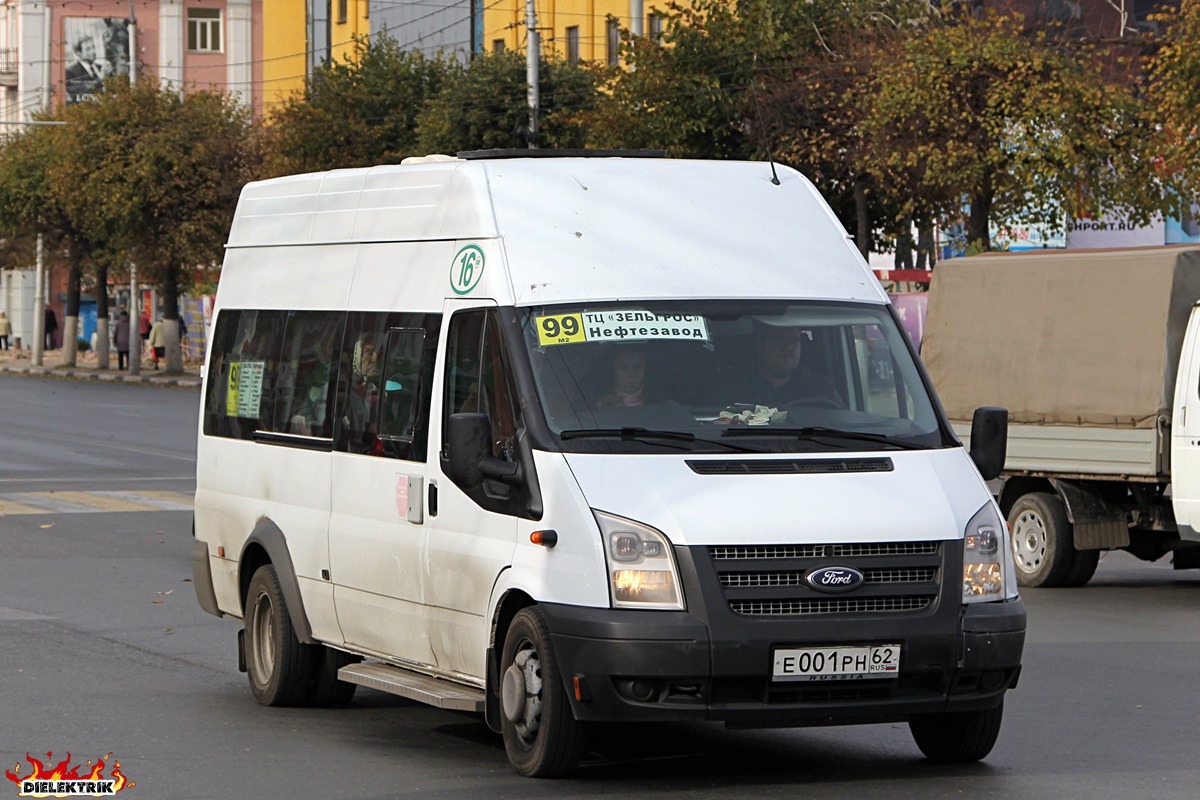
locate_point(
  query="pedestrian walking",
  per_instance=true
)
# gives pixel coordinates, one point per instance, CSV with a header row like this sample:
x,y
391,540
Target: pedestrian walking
x,y
157,341
51,327
5,330
121,340
143,330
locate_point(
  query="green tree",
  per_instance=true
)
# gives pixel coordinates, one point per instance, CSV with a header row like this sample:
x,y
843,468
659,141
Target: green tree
x,y
1173,92
155,175
354,113
32,204
484,105
980,108
734,80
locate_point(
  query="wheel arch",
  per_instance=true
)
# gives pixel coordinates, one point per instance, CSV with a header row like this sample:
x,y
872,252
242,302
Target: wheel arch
x,y
267,545
1020,485
511,601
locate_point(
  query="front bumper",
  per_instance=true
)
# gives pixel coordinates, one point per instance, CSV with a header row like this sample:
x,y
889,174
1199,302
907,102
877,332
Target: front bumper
x,y
713,664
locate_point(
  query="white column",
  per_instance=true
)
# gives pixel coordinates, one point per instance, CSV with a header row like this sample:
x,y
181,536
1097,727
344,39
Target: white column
x,y
170,44
239,53
33,82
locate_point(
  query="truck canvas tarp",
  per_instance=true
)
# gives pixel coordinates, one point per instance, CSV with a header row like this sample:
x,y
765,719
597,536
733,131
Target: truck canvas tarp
x,y
1085,338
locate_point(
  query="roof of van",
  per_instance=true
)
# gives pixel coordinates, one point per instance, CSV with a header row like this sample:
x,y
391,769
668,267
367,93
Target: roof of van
x,y
576,228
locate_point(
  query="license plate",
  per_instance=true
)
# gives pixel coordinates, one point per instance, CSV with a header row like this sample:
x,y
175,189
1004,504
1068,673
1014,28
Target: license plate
x,y
837,663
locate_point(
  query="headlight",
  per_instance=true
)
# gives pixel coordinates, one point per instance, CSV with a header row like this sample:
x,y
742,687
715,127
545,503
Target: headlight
x,y
987,571
641,568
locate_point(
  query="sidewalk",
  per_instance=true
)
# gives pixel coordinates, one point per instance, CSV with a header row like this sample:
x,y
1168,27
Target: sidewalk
x,y
12,362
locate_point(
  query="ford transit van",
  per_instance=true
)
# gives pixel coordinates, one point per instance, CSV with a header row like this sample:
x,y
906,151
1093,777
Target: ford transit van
x,y
565,439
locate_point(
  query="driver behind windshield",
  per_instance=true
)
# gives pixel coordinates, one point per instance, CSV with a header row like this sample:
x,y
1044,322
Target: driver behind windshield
x,y
778,378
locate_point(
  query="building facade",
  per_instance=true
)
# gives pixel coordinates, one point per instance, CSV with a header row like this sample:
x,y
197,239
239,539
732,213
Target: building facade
x,y
60,51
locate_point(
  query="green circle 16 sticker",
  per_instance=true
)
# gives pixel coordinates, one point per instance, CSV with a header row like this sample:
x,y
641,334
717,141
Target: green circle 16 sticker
x,y
466,269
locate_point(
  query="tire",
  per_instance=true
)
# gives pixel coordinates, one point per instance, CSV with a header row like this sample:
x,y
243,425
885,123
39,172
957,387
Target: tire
x,y
327,691
279,667
541,735
1041,539
958,737
1083,567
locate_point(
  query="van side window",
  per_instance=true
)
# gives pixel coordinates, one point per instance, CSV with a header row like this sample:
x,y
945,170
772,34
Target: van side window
x,y
242,370
386,380
308,374
478,378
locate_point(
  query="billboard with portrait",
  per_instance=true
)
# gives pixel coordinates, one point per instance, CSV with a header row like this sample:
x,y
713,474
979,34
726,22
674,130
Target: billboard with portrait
x,y
96,48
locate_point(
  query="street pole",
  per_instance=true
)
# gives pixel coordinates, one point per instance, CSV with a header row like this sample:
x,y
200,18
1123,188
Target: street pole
x,y
135,323
532,55
133,70
39,304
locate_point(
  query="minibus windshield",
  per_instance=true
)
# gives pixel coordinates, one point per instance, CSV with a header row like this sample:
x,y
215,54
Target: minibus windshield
x,y
728,376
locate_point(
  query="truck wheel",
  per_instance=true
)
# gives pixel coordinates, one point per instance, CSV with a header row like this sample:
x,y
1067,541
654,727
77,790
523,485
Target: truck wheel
x,y
1041,539
278,665
541,735
1083,567
327,690
957,737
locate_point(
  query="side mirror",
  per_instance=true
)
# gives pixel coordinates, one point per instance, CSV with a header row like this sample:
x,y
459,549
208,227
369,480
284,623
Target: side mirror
x,y
468,437
469,456
989,440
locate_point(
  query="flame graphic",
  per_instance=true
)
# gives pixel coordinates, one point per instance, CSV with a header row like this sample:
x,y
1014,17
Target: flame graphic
x,y
60,772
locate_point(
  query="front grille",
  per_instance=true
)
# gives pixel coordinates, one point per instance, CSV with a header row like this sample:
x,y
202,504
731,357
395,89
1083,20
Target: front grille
x,y
769,580
902,575
740,552
841,605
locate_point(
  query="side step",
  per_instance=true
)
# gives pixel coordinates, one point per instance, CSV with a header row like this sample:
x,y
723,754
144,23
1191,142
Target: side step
x,y
414,686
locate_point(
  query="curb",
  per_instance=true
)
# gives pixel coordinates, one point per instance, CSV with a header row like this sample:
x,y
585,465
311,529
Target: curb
x,y
183,381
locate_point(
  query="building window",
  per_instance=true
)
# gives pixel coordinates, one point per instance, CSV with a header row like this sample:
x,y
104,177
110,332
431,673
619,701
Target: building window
x,y
341,18
613,41
573,44
497,45
204,30
654,27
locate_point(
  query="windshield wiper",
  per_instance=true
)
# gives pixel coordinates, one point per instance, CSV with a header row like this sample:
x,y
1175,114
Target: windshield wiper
x,y
818,432
645,434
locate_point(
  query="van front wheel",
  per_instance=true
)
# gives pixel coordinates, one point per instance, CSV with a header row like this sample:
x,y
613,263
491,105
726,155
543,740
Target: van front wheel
x,y
541,735
279,667
958,737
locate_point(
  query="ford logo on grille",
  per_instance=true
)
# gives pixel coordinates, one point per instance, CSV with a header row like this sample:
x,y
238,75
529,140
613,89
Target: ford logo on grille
x,y
834,579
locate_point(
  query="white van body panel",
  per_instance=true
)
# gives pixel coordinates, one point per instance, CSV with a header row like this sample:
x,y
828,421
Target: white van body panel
x,y
581,229
573,571
929,495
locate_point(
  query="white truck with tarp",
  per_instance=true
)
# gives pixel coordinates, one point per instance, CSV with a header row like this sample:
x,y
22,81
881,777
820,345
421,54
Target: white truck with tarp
x,y
1093,353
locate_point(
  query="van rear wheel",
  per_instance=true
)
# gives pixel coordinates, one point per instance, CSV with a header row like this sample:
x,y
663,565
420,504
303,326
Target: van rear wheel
x,y
541,735
279,667
957,737
1042,540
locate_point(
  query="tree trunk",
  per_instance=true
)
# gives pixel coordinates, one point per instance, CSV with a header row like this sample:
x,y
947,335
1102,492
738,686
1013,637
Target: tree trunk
x,y
926,249
170,306
904,245
70,344
979,222
862,214
102,331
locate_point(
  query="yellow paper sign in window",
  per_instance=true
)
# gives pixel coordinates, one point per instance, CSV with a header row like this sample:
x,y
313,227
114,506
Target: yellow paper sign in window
x,y
561,329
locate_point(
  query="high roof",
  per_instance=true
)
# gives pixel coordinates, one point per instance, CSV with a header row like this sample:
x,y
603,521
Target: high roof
x,y
583,228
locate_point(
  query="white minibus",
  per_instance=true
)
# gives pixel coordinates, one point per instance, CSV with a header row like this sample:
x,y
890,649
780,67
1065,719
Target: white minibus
x,y
567,438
